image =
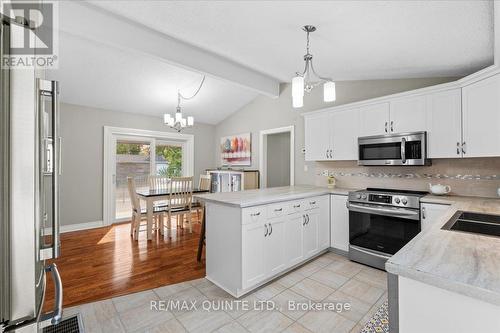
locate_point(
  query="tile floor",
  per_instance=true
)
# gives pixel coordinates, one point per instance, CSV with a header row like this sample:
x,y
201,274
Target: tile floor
x,y
328,278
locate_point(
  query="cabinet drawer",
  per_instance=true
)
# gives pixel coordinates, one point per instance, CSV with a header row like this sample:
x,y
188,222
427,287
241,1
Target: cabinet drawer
x,y
278,209
254,214
312,203
297,206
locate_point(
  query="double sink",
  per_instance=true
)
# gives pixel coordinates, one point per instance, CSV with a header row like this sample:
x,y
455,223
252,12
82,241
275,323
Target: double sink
x,y
482,224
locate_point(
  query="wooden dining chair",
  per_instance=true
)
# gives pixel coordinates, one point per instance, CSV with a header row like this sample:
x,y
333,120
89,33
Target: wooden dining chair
x,y
204,184
158,182
180,201
139,214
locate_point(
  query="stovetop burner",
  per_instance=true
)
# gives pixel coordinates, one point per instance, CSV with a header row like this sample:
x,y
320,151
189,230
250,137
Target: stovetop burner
x,y
389,190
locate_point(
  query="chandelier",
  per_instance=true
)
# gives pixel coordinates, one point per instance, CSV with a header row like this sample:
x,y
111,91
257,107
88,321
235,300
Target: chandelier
x,y
309,79
178,122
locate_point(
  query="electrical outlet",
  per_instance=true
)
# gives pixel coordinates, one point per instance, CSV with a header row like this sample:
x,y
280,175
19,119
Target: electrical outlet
x,y
325,173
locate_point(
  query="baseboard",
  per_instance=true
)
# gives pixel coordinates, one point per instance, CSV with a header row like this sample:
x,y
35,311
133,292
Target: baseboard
x,y
339,252
76,227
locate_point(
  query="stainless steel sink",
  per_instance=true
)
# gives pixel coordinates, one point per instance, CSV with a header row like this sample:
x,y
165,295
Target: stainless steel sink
x,y
483,224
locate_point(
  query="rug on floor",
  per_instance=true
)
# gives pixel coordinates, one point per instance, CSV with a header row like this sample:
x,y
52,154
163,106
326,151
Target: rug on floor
x,y
379,323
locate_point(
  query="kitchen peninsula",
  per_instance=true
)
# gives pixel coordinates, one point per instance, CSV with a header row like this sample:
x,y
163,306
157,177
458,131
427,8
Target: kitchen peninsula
x,y
254,236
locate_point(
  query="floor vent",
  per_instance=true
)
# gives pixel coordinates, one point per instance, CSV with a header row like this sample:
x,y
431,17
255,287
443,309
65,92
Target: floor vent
x,y
68,325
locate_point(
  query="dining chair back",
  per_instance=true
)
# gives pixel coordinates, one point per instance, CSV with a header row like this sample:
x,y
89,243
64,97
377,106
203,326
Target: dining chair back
x,y
158,182
204,183
134,199
181,192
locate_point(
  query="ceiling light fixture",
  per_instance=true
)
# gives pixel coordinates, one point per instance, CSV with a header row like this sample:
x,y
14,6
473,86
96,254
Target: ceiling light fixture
x,y
303,82
178,122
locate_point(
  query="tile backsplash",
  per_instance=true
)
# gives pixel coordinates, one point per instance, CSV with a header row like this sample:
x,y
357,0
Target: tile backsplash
x,y
468,176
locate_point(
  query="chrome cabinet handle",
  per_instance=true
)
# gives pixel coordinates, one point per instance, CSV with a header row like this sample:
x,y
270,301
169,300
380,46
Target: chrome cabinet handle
x,y
271,226
55,316
312,202
278,209
463,147
307,219
267,230
423,213
255,214
386,126
403,150
303,220
296,206
458,148
392,126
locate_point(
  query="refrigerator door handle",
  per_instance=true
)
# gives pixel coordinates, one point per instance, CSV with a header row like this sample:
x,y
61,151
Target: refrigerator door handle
x,y
51,88
55,316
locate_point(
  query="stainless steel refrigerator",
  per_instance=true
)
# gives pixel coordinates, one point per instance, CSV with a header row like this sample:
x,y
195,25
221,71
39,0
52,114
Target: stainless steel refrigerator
x,y
30,168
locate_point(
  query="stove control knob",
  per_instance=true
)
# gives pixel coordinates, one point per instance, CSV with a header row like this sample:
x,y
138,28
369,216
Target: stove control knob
x,y
363,196
358,196
396,200
404,201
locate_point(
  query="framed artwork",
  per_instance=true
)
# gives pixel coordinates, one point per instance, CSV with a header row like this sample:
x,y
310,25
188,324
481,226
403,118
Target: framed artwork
x,y
236,150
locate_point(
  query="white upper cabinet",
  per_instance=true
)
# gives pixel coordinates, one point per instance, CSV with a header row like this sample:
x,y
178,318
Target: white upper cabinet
x,y
318,140
345,133
374,119
481,118
408,114
444,124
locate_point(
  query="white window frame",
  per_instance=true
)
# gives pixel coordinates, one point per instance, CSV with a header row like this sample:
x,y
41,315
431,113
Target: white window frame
x,y
111,134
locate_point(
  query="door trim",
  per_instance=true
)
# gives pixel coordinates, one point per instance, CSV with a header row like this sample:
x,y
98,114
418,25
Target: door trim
x,y
109,161
263,153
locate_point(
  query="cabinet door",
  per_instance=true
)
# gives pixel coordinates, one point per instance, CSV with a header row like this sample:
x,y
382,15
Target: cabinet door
x,y
339,217
274,247
253,267
293,239
408,115
323,222
310,233
430,213
345,131
481,118
444,124
317,137
374,119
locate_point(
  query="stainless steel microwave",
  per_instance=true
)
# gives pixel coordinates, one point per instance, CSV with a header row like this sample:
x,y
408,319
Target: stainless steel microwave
x,y
393,149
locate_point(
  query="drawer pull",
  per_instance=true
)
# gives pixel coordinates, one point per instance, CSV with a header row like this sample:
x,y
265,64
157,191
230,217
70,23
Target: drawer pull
x,y
296,206
255,214
312,202
278,209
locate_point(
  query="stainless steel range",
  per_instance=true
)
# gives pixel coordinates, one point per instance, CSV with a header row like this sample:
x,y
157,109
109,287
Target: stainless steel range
x,y
381,222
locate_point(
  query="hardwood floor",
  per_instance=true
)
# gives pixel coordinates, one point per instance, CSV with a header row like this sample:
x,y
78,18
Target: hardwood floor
x,y
105,262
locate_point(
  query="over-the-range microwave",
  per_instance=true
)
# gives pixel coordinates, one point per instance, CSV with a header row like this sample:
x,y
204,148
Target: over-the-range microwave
x,y
393,149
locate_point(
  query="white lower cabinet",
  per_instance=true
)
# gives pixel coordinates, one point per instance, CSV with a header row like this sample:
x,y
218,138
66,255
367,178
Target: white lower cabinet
x,y
270,245
339,220
430,213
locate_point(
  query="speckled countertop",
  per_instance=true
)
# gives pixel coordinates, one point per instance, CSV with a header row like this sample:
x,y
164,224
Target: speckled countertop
x,y
464,263
269,195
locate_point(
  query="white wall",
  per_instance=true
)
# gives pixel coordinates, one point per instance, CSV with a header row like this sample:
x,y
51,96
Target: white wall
x,y
265,113
82,156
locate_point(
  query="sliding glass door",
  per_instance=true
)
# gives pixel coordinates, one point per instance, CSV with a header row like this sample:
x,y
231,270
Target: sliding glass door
x,y
140,157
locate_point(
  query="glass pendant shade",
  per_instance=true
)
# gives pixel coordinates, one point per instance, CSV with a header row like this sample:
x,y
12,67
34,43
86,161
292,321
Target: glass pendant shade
x,y
166,118
183,122
329,94
298,101
178,117
190,121
298,91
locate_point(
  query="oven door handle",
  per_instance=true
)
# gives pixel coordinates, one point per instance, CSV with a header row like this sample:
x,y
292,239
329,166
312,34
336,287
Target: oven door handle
x,y
403,150
403,213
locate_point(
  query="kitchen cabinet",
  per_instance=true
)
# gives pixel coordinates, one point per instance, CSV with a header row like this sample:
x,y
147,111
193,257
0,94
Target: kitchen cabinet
x,y
430,213
374,119
339,222
345,133
318,139
274,237
481,118
444,124
408,114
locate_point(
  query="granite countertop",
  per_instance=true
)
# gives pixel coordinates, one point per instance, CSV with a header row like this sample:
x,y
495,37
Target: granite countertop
x,y
268,195
464,263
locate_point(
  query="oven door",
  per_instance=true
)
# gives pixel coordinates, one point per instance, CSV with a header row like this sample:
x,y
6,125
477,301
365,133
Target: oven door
x,y
382,229
398,149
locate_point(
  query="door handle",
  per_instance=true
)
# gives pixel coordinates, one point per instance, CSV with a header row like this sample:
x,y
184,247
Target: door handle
x,y
303,220
392,126
267,230
423,213
403,150
463,147
307,219
55,316
386,126
271,226
458,148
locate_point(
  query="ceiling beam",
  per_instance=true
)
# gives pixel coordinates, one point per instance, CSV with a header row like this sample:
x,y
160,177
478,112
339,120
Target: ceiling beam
x,y
96,24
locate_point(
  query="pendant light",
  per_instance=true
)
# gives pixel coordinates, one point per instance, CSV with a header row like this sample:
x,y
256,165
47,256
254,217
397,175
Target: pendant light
x,y
178,122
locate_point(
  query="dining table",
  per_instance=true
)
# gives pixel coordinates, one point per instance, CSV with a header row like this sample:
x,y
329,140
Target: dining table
x,y
153,195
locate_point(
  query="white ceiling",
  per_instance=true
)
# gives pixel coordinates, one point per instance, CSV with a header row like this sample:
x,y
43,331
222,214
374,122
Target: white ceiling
x,y
101,76
355,39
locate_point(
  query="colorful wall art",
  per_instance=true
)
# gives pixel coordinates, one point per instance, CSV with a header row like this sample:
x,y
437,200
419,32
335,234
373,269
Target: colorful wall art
x,y
236,150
